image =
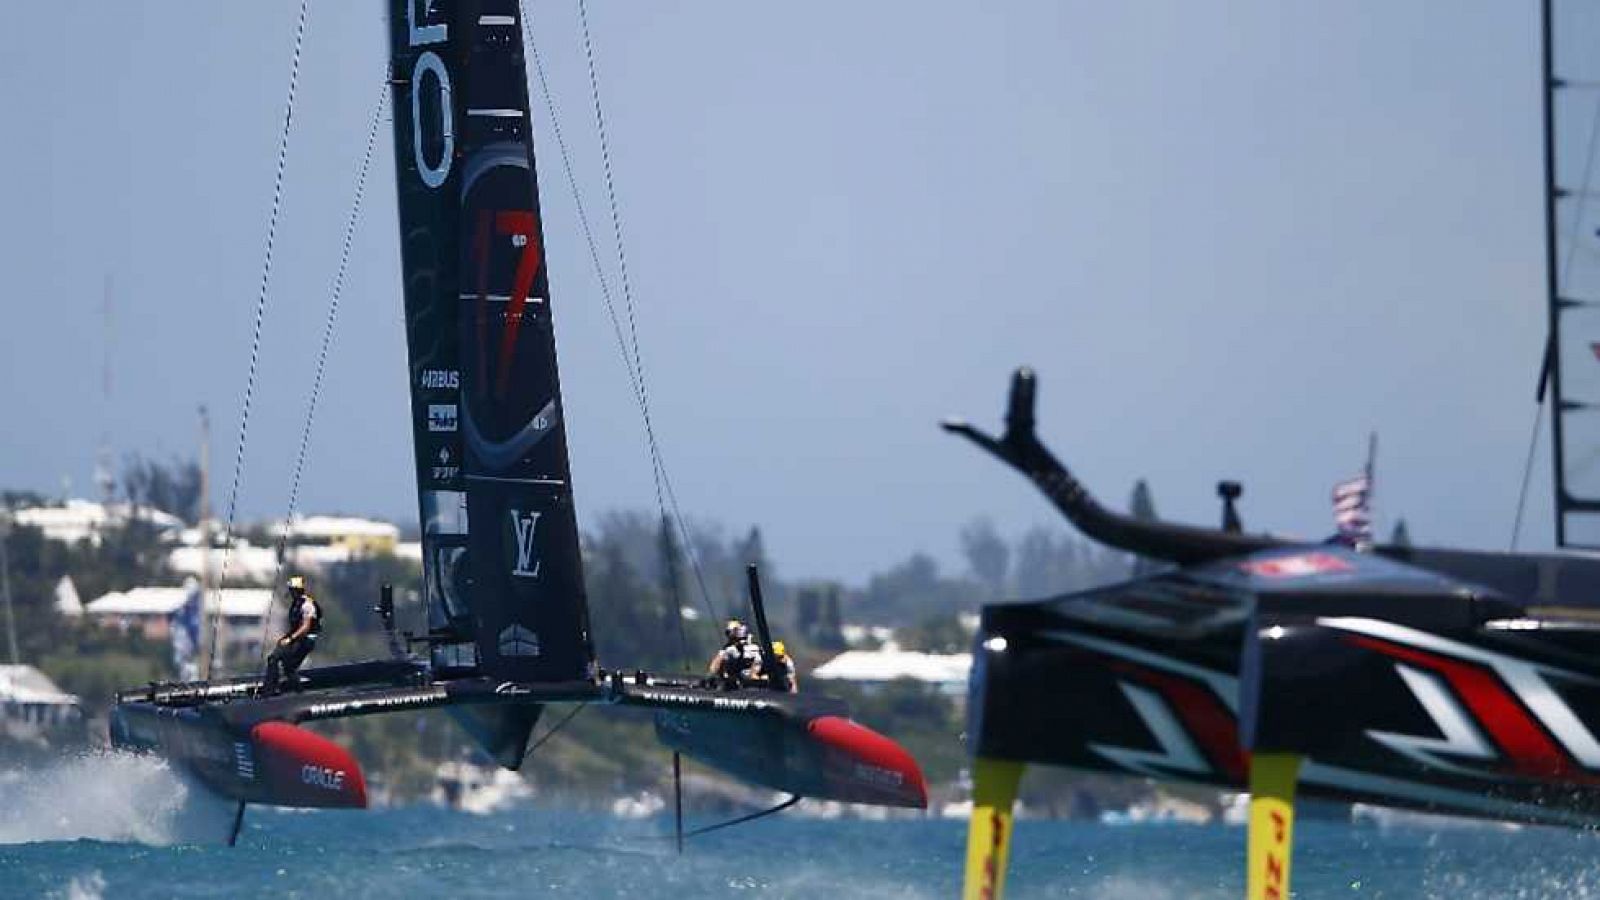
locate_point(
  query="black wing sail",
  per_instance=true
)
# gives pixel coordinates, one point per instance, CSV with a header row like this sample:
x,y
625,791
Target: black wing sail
x,y
500,540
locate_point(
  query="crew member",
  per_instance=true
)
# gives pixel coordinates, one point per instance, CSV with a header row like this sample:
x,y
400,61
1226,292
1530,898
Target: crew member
x,y
784,678
305,623
736,661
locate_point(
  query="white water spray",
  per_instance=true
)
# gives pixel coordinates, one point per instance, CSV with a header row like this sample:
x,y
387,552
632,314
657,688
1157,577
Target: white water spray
x,y
108,796
82,887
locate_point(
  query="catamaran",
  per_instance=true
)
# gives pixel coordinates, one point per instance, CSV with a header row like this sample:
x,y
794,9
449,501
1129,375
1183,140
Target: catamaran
x,y
508,630
1442,680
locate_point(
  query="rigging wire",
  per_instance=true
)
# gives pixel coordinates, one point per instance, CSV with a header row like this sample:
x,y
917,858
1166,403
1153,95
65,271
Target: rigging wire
x,y
255,339
761,814
1527,473
662,476
750,817
616,231
669,563
351,220
633,362
545,738
664,479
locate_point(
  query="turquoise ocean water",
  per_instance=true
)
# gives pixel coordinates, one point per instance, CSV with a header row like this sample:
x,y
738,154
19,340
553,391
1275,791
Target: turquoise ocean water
x,y
115,827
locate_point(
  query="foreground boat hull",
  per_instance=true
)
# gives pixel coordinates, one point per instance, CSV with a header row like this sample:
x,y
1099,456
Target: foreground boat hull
x,y
1470,721
269,763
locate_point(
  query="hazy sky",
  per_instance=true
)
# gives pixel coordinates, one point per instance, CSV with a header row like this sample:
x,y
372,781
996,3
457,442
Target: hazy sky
x,y
1232,238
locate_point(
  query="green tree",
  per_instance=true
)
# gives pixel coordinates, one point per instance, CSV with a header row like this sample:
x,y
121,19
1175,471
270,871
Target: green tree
x,y
936,634
626,611
172,487
1401,536
753,550
1036,567
987,554
350,592
1049,565
1142,507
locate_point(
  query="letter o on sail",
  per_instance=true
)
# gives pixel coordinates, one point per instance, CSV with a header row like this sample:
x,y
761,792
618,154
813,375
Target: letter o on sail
x,y
432,176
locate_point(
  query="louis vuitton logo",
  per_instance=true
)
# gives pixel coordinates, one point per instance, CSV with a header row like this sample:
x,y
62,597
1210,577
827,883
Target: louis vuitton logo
x,y
523,526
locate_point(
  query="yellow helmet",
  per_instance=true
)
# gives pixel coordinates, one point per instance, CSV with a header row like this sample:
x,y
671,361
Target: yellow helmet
x,y
297,583
779,649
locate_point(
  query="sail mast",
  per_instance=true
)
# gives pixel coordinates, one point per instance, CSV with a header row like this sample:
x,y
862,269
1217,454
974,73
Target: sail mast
x,y
1552,280
1571,76
5,585
204,528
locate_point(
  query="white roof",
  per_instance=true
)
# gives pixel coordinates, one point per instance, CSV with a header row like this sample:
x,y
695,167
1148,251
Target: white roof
x,y
77,520
888,665
164,601
314,556
334,527
245,561
855,634
25,684
249,563
67,602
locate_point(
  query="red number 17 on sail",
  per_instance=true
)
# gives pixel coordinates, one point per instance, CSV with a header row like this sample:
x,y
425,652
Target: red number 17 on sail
x,y
523,227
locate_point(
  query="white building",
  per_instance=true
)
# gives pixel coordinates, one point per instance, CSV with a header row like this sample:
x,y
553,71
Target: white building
x,y
259,565
149,611
85,520
359,536
30,703
245,562
857,635
67,602
948,672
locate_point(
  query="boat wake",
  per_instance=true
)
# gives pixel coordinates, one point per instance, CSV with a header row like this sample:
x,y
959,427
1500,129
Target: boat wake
x,y
108,796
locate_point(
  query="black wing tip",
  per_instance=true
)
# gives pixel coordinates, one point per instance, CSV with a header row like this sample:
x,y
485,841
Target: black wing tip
x,y
1020,404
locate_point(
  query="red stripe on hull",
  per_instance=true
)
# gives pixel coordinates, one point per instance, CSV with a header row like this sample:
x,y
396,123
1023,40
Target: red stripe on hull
x,y
299,768
1204,717
863,757
1531,752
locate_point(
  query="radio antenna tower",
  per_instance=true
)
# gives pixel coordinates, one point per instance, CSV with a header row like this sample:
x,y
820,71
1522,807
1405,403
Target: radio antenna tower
x,y
103,476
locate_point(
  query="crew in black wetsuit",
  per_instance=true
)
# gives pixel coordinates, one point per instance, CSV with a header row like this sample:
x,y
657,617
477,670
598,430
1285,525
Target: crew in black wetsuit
x,y
733,664
305,623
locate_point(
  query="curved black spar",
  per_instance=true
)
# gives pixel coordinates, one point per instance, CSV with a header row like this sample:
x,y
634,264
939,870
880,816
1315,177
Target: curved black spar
x,y
1020,448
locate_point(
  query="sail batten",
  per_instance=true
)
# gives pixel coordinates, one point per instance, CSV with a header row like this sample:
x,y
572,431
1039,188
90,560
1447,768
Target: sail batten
x,y
502,572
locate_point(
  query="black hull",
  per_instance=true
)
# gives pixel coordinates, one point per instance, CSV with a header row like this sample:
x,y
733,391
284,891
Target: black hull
x,y
253,750
1169,706
269,763
803,746
1456,682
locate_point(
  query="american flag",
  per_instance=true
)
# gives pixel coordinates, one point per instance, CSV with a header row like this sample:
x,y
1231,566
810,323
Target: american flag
x,y
1352,511
184,627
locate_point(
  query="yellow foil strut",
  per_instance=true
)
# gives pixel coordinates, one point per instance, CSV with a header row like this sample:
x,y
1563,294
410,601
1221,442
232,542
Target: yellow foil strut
x,y
1272,780
994,792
